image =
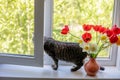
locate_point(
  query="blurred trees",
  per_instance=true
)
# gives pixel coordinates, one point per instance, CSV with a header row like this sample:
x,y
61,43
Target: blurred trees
x,y
16,26
78,12
75,13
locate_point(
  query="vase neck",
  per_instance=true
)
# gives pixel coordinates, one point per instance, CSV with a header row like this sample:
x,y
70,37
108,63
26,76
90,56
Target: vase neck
x,y
93,59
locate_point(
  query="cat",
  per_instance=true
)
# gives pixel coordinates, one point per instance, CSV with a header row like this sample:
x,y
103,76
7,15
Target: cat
x,y
66,51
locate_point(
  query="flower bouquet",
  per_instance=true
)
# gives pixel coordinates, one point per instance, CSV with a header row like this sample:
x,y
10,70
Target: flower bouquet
x,y
93,40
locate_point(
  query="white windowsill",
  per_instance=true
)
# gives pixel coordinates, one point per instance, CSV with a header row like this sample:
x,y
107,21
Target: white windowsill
x,y
14,72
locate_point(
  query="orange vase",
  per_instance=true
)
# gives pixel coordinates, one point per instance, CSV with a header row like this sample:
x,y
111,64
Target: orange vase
x,y
91,67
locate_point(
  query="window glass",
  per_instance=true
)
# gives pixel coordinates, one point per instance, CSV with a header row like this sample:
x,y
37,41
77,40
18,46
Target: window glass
x,y
17,27
75,13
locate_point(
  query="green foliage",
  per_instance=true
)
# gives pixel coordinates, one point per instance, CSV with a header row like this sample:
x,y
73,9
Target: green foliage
x,y
16,26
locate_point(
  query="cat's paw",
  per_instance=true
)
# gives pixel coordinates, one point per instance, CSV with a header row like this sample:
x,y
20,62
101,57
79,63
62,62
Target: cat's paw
x,y
73,69
54,67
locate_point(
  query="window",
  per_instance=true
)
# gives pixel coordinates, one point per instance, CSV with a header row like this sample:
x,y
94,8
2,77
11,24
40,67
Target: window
x,y
44,19
62,12
21,32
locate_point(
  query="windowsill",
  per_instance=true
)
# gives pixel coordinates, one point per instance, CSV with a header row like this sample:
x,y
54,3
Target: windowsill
x,y
14,72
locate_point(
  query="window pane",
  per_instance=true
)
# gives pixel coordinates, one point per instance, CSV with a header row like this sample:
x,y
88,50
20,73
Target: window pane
x,y
75,13
16,26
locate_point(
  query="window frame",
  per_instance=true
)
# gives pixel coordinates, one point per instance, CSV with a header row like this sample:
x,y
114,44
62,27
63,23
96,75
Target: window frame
x,y
111,61
37,59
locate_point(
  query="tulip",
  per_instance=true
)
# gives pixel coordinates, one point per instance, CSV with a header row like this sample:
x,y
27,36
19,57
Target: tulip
x,y
87,27
87,37
65,30
113,38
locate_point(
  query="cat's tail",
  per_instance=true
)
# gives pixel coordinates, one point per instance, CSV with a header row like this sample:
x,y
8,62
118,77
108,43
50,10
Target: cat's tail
x,y
102,68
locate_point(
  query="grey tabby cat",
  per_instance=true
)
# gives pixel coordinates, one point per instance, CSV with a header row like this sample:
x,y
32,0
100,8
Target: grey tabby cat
x,y
66,51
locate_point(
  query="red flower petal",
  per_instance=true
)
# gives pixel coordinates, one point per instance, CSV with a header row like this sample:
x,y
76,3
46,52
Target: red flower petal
x,y
65,30
109,32
87,27
87,37
113,38
115,29
97,27
102,30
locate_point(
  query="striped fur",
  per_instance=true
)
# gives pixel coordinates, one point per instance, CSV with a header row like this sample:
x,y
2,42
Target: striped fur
x,y
66,51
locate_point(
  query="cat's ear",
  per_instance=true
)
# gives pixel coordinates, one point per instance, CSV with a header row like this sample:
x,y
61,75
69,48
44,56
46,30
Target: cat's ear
x,y
45,38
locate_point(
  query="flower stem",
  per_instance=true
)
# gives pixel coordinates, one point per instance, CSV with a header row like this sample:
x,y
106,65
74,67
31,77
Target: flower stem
x,y
99,50
98,40
96,37
74,35
106,46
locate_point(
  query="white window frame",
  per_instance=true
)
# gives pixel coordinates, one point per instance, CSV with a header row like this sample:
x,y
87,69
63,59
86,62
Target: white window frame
x,y
48,25
37,59
112,60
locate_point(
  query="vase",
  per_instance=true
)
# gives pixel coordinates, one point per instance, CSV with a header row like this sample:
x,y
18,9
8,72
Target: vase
x,y
91,67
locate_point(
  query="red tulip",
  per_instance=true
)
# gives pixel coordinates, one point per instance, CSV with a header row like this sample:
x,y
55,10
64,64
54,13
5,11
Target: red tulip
x,y
115,29
109,32
113,38
102,30
97,27
87,27
87,37
65,30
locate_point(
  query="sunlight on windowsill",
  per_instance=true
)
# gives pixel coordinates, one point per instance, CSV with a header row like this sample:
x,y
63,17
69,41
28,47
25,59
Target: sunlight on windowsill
x,y
63,72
